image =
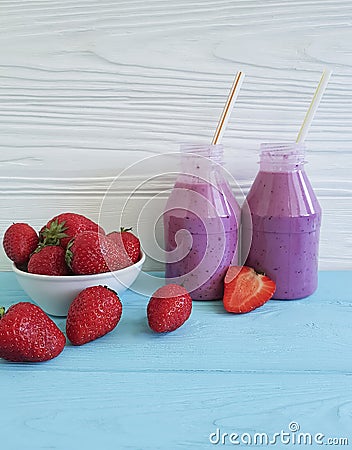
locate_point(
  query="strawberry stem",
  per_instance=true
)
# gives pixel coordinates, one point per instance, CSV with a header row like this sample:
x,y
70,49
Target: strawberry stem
x,y
40,246
2,312
111,290
123,230
54,234
69,254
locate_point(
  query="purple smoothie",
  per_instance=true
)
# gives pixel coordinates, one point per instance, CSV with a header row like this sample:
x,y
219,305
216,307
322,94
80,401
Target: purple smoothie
x,y
201,234
286,219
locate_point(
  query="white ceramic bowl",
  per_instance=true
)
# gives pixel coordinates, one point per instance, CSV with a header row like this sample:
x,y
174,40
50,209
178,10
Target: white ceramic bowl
x,y
54,294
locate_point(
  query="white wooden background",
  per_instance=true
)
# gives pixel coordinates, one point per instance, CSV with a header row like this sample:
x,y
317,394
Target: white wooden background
x,y
88,87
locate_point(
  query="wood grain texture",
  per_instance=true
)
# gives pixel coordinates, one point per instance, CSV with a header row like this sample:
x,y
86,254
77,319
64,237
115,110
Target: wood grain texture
x,y
89,88
132,389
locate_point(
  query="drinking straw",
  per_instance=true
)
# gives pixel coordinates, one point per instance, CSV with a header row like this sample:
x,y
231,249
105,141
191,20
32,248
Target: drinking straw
x,y
313,106
235,89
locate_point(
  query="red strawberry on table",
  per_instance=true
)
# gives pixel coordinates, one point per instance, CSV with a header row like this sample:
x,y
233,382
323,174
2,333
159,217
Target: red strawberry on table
x,y
93,313
245,289
20,241
28,334
130,242
62,228
169,308
91,252
48,260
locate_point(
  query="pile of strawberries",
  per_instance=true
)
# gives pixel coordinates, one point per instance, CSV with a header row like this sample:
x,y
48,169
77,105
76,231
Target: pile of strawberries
x,y
70,244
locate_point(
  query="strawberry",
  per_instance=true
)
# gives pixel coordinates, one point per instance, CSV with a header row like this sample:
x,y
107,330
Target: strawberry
x,y
62,228
93,313
169,308
28,334
129,241
91,252
20,241
245,289
48,260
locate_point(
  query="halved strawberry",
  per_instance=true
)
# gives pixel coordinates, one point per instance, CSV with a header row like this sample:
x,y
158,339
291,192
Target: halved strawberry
x,y
245,289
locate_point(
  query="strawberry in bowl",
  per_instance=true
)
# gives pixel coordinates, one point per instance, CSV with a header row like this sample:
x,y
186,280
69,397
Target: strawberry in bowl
x,y
54,294
68,255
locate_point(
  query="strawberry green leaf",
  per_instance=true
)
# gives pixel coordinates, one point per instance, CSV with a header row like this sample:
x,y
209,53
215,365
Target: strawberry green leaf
x,y
53,234
69,254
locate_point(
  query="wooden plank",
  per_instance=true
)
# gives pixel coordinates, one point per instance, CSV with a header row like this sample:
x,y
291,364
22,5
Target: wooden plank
x,y
172,410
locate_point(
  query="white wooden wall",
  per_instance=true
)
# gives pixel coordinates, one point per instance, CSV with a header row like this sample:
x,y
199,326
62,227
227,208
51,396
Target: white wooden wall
x,y
89,87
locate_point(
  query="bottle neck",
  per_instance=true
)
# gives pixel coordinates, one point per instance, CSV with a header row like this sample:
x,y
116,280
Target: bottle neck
x,y
212,152
287,157
201,162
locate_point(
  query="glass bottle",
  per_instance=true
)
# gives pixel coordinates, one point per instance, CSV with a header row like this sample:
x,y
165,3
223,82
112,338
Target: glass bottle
x,y
201,223
283,239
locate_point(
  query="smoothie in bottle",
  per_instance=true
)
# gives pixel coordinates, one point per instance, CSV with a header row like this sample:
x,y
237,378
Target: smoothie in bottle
x,y
201,224
283,239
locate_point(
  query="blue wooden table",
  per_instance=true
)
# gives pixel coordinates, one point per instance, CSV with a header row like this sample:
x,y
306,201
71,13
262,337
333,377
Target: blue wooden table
x,y
282,367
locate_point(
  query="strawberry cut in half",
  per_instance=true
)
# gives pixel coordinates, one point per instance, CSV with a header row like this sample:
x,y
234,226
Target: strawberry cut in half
x,y
245,289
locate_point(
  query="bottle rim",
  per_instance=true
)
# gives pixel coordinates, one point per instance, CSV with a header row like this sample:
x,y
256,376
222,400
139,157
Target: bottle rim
x,y
282,147
210,151
282,156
